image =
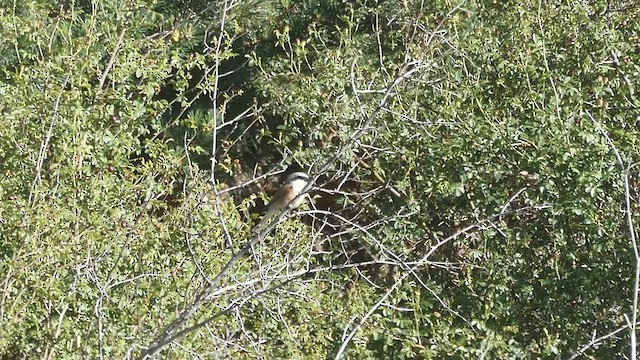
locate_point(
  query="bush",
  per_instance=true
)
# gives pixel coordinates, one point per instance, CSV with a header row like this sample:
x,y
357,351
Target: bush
x,y
470,198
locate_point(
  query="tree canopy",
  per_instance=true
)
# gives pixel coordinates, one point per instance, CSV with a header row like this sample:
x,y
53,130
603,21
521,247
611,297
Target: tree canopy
x,y
475,174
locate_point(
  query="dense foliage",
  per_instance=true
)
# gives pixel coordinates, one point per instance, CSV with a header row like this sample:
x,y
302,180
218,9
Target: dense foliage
x,y
477,161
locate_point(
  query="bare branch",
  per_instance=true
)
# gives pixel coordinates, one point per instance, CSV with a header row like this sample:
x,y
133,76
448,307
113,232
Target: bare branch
x,y
112,59
44,145
632,233
596,341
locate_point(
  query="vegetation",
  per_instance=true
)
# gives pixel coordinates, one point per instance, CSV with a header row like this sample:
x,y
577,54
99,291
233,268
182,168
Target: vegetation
x,y
476,188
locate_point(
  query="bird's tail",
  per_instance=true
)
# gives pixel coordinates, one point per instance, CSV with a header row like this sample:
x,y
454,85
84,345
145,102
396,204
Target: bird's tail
x,y
265,221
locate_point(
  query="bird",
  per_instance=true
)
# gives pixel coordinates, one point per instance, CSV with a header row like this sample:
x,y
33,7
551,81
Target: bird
x,y
285,197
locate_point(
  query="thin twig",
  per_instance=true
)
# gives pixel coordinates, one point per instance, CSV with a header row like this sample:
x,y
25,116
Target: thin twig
x,y
112,59
632,233
423,261
596,341
169,333
347,339
44,145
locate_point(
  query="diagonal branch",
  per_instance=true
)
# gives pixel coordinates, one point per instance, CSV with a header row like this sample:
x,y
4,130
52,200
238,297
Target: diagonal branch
x,y
112,59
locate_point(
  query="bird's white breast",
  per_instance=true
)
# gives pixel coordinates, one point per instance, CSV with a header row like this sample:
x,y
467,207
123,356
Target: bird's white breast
x,y
298,185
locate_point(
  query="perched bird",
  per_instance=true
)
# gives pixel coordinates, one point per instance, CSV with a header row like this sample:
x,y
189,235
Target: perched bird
x,y
287,196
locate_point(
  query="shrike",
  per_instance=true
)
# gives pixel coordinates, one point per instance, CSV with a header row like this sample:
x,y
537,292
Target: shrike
x,y
287,196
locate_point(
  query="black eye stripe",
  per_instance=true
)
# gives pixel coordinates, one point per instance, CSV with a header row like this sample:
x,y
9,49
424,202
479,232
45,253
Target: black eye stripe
x,y
294,177
299,177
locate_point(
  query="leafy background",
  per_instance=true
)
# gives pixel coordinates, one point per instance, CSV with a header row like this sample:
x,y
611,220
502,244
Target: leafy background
x,y
480,196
